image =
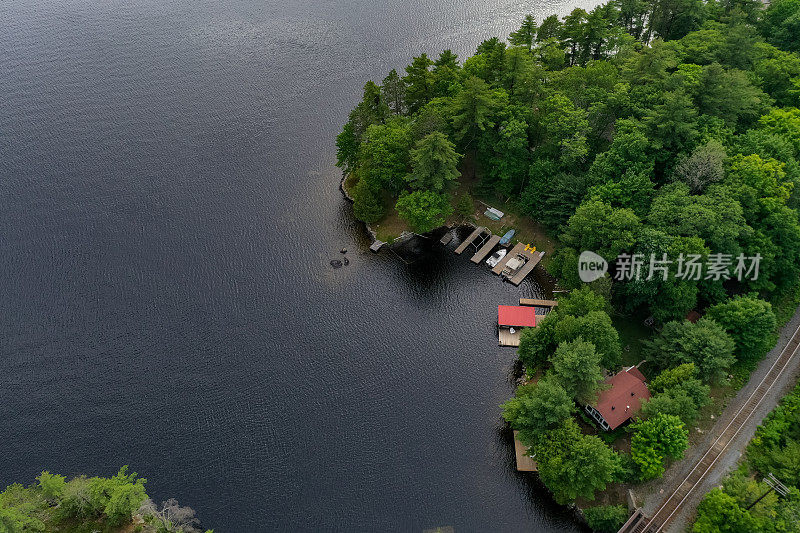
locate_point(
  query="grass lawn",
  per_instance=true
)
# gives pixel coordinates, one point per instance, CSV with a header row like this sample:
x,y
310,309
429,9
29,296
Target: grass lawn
x,y
528,231
631,332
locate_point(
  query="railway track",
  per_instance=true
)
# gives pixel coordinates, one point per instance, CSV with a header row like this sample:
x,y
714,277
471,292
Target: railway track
x,y
663,517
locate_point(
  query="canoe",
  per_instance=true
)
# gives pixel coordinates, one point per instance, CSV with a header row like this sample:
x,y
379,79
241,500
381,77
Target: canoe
x,y
507,237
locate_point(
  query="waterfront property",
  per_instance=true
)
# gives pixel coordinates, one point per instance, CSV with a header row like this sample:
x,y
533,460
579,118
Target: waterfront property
x,y
622,400
510,321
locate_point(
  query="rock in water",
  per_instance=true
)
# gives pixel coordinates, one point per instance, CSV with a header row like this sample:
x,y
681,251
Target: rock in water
x,y
343,250
346,261
335,263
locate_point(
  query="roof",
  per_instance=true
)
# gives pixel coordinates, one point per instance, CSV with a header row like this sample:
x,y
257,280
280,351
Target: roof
x,y
624,399
516,315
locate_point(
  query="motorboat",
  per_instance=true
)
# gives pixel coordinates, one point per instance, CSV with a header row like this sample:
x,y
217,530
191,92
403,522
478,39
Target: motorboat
x,y
496,257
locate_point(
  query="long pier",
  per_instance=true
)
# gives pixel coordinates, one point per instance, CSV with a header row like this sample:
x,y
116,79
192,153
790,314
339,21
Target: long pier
x,y
485,249
537,303
668,511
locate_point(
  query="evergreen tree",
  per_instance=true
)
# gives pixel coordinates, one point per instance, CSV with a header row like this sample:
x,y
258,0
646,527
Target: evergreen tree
x,y
526,34
434,162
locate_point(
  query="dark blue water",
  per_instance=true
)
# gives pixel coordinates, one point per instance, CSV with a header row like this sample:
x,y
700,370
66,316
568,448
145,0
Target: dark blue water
x,y
168,211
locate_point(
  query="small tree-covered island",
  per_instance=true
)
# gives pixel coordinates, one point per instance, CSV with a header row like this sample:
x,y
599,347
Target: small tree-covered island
x,y
662,128
116,504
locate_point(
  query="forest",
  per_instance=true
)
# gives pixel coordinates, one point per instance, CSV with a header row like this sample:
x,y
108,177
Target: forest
x,y
745,502
665,128
91,505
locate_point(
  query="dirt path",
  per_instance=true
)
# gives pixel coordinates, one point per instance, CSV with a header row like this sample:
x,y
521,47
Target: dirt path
x,y
656,492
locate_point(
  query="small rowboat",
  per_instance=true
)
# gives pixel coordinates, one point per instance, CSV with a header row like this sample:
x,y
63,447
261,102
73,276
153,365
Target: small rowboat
x,y
507,237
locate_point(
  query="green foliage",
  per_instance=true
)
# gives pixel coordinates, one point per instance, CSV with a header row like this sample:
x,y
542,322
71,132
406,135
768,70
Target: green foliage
x,y
384,155
474,109
745,504
594,327
654,440
573,465
367,206
781,24
673,377
434,162
706,344
776,445
536,344
526,34
576,366
424,210
90,504
418,82
538,407
583,301
465,206
751,324
565,129
52,485
606,518
720,512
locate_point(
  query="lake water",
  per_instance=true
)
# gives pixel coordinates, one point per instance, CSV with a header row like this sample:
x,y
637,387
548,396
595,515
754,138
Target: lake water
x,y
168,211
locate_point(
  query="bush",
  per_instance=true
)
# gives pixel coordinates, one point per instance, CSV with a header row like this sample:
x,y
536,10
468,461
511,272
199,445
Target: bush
x,y
606,518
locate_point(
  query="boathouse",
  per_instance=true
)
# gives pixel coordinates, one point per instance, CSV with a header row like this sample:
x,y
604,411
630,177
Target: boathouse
x,y
621,400
511,319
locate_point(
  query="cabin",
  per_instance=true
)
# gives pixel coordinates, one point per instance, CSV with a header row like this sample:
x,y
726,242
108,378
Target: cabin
x,y
623,399
510,321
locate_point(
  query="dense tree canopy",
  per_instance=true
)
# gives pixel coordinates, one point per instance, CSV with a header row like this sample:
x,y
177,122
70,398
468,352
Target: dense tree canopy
x,y
654,127
663,135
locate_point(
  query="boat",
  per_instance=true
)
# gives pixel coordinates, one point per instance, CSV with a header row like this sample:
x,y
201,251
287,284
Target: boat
x,y
507,237
513,266
496,257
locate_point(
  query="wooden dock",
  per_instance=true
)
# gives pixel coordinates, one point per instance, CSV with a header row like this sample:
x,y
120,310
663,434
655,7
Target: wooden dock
x,y
376,245
537,303
527,268
446,238
506,338
486,249
525,462
524,250
502,264
468,240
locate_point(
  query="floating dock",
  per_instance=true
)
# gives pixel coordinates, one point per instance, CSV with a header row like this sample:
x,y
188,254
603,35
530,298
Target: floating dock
x,y
525,251
502,264
525,270
506,338
486,249
376,245
525,462
446,238
468,240
537,303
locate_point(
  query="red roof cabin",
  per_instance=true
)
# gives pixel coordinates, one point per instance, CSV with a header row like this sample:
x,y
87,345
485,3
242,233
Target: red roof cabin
x,y
510,319
621,401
